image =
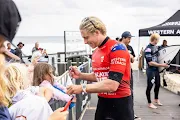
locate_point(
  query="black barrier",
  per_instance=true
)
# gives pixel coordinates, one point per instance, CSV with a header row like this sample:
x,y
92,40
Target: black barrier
x,y
82,99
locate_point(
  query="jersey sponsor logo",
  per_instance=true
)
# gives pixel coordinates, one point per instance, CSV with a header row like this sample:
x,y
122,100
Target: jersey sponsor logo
x,y
118,47
121,61
171,23
101,74
101,68
108,93
102,58
148,50
148,55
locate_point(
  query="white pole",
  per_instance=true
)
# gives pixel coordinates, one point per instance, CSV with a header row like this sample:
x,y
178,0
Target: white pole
x,y
138,55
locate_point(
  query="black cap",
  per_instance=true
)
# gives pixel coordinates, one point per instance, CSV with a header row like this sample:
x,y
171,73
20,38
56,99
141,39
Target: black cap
x,y
117,38
126,34
9,19
20,43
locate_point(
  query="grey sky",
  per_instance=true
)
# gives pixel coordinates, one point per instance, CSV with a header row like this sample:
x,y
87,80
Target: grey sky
x,y
52,17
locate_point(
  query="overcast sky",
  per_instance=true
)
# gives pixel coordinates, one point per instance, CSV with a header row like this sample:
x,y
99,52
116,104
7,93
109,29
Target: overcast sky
x,y
52,17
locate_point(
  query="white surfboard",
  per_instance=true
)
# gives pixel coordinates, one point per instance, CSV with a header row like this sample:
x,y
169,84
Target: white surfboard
x,y
167,54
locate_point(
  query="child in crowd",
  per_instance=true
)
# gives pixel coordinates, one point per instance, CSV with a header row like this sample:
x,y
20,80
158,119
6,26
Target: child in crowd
x,y
23,97
4,113
19,86
43,77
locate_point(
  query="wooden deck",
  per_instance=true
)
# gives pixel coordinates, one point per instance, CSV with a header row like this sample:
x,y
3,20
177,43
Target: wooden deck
x,y
169,111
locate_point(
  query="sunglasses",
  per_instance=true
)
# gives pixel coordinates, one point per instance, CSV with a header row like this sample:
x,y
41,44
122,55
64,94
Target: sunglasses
x,y
88,19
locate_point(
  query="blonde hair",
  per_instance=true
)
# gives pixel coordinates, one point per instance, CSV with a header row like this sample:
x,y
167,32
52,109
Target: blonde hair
x,y
40,70
4,98
17,76
91,24
154,36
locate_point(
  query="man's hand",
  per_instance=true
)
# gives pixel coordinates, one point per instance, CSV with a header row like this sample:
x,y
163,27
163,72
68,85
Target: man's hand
x,y
132,58
165,65
74,89
74,72
58,115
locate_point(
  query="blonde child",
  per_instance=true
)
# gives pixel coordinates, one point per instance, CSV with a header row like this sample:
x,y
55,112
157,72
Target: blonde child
x,y
19,86
4,98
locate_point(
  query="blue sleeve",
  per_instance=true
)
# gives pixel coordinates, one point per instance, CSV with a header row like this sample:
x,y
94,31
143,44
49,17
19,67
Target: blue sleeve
x,y
4,113
12,51
148,54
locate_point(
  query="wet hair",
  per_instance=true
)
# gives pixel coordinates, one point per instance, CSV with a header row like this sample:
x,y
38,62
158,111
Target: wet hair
x,y
154,36
91,24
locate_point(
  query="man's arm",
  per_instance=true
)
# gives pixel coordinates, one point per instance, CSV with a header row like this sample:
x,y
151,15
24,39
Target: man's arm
x,y
11,55
148,57
106,85
119,58
132,58
88,77
132,55
155,64
77,74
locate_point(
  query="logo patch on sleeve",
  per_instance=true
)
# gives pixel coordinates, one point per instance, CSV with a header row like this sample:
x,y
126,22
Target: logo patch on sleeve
x,y
148,50
118,47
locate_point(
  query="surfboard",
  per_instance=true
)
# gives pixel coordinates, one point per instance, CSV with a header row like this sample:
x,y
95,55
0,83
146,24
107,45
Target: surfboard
x,y
167,54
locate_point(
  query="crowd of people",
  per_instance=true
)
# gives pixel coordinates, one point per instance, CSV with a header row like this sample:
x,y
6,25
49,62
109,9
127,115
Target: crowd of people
x,y
19,99
17,54
26,90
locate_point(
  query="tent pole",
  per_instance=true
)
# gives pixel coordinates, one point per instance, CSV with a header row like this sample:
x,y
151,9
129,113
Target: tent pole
x,y
138,56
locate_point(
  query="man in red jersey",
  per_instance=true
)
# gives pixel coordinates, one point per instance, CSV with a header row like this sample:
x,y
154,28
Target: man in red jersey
x,y
111,72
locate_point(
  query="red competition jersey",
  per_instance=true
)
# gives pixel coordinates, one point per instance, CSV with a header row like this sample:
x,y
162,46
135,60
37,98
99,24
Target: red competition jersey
x,y
112,56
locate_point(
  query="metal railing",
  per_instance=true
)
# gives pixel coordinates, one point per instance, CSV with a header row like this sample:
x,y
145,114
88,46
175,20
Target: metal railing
x,y
83,99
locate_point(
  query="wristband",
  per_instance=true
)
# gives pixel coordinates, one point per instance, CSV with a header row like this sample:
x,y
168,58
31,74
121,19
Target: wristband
x,y
84,87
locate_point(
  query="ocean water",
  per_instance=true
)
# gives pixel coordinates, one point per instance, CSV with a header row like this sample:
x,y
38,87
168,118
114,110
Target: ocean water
x,y
54,44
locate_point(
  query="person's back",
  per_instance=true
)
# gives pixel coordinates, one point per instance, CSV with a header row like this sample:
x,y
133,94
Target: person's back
x,y
32,107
